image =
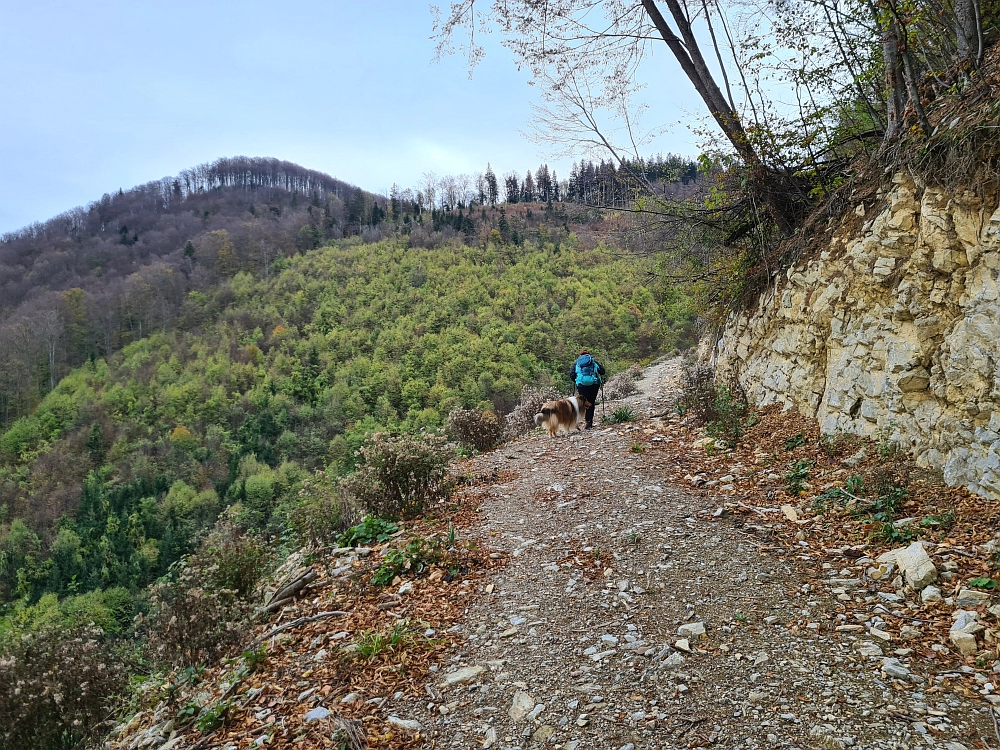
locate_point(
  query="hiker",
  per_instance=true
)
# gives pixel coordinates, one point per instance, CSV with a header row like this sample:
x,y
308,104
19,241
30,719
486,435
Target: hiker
x,y
586,374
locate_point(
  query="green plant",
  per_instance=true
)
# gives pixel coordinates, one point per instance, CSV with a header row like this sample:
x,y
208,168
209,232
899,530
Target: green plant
x,y
189,710
369,531
893,534
255,658
795,441
730,410
795,477
853,487
884,445
211,717
476,429
884,507
374,642
415,558
832,495
637,447
881,511
983,583
621,414
723,409
401,474
855,484
941,522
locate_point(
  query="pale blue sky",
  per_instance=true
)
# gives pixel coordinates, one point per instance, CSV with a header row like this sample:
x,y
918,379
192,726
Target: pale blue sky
x,y
112,93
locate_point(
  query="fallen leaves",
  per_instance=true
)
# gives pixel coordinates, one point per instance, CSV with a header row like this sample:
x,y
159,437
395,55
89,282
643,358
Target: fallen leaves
x,y
783,484
347,649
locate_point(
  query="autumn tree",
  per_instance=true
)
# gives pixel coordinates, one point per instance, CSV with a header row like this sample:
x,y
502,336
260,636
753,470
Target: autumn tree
x,y
49,327
882,58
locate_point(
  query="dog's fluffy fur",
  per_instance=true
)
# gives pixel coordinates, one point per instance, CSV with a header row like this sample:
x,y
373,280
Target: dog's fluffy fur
x,y
564,414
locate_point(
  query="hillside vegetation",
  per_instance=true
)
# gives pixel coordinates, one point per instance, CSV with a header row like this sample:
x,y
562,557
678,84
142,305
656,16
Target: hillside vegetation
x,y
205,373
117,471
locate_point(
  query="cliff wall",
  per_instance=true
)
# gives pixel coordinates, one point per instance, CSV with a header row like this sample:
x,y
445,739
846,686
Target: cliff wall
x,y
895,327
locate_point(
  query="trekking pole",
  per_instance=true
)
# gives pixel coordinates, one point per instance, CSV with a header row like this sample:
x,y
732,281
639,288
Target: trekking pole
x,y
604,409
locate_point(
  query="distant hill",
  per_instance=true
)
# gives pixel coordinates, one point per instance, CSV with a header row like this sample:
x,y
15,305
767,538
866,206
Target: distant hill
x,y
88,282
192,366
92,279
113,236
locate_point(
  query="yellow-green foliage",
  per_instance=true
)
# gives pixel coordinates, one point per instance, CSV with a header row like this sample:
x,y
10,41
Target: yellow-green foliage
x,y
270,380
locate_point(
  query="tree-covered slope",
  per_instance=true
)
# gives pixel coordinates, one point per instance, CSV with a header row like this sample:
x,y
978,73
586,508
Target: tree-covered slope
x,y
107,482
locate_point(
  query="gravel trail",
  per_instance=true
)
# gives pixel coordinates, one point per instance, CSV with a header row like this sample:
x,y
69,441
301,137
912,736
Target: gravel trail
x,y
631,616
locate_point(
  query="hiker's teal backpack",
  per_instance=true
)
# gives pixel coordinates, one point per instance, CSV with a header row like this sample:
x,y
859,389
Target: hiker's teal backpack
x,y
586,370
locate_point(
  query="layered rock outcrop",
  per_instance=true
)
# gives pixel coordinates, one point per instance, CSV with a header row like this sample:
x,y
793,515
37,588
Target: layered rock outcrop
x,y
894,328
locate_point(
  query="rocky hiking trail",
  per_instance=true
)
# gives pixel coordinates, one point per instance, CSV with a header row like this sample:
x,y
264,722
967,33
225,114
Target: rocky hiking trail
x,y
629,587
635,614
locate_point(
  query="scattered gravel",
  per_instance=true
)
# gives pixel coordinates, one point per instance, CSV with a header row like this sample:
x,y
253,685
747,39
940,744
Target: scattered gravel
x,y
626,618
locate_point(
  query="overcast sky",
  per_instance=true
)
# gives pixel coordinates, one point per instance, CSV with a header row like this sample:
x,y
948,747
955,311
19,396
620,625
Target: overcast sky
x,y
114,93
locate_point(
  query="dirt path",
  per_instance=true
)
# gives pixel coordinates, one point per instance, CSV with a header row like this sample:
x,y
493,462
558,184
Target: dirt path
x,y
576,643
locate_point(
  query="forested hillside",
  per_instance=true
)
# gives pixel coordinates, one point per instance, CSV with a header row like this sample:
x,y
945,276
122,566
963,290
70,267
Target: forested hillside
x,y
108,481
190,370
96,278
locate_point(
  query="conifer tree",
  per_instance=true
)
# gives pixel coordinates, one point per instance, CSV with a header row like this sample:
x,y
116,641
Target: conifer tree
x,y
528,188
512,188
492,188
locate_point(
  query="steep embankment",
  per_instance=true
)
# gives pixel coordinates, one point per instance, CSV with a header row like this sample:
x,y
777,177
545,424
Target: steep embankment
x,y
891,325
895,327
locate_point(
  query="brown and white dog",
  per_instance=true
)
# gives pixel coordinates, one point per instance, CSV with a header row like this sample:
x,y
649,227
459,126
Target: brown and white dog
x,y
564,414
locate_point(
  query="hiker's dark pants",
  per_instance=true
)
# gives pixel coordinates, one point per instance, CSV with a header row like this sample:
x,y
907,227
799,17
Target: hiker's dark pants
x,y
589,392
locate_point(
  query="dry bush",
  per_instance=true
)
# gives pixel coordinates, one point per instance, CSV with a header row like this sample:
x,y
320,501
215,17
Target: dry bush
x,y
623,384
480,430
401,474
237,560
199,613
57,688
522,419
723,409
697,391
323,513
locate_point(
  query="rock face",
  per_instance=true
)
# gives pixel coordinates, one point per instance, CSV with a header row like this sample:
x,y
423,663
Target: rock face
x,y
894,329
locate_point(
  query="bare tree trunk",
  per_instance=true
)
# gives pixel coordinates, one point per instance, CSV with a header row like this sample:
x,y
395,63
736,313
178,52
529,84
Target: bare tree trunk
x,y
718,55
52,365
895,90
966,36
693,64
909,75
901,79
